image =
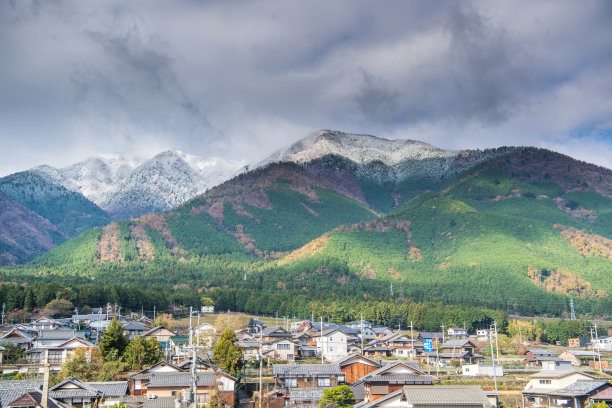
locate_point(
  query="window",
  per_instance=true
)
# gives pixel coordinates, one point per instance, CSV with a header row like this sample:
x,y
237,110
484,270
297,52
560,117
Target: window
x,y
281,346
291,382
331,338
544,381
324,382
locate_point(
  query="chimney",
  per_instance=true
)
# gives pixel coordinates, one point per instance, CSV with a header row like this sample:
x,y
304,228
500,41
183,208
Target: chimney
x,y
45,391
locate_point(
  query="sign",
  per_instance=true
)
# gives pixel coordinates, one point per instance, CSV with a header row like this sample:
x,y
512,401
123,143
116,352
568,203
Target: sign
x,y
427,344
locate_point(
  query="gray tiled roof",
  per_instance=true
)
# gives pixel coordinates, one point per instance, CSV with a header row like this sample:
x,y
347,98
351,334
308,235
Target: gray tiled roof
x,y
582,353
205,379
455,395
357,355
58,334
306,394
31,398
359,391
306,369
455,343
110,388
134,326
275,331
13,389
159,402
557,373
402,378
581,387
542,352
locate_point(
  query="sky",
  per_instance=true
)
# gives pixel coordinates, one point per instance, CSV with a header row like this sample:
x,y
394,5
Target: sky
x,y
241,79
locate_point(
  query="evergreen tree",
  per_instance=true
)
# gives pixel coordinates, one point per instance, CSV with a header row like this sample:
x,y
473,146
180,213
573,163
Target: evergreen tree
x,y
143,352
227,354
340,396
113,342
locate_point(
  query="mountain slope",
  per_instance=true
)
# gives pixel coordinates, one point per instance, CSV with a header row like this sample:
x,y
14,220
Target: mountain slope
x,y
126,187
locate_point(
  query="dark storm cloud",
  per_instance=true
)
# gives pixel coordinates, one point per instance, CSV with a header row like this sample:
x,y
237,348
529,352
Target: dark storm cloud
x,y
241,79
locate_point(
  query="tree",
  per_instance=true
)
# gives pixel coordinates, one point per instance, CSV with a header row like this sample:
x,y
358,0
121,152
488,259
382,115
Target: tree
x,y
226,354
12,353
60,307
206,301
163,319
113,341
141,352
84,364
340,396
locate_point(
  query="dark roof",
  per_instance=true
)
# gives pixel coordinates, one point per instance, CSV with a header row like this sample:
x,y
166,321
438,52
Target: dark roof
x,y
275,331
135,326
402,379
56,334
84,391
159,402
581,387
306,369
33,398
359,391
455,343
306,394
346,360
154,329
430,335
13,389
110,388
542,352
182,379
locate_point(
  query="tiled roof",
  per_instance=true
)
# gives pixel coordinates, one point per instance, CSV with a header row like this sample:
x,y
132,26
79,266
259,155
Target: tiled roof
x,y
182,379
13,389
34,398
306,394
359,391
275,331
159,402
134,326
542,352
455,343
548,358
581,387
110,388
558,374
402,378
456,395
582,353
306,369
430,335
56,334
347,359
84,390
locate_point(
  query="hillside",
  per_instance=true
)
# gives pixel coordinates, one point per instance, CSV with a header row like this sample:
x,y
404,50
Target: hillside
x,y
521,232
39,214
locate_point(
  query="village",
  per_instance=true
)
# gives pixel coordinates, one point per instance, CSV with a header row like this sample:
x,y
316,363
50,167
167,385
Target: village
x,y
293,363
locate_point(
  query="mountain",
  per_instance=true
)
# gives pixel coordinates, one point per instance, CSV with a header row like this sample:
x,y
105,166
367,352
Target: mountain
x,y
38,214
388,172
514,229
127,187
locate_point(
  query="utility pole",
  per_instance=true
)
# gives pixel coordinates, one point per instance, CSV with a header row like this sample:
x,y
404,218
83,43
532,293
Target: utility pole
x,y
412,352
572,311
321,340
194,373
496,343
153,312
598,350
362,340
443,334
260,371
493,361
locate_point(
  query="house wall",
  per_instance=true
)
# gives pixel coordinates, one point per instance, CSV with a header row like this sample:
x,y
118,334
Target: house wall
x,y
355,371
556,382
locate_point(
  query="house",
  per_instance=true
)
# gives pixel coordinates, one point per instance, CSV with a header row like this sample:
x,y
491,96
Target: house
x,y
279,349
457,350
578,357
179,347
256,326
46,323
10,390
381,331
477,370
273,333
160,333
435,337
577,342
356,366
113,392
555,363
378,351
207,309
33,399
298,326
289,376
537,390
76,393
399,344
134,329
534,357
603,396
456,333
138,382
424,396
19,337
250,349
359,324
332,344
206,330
576,394
174,384
603,343
392,377
49,338
483,334
56,355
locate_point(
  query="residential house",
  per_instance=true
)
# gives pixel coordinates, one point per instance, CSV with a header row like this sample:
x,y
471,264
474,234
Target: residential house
x,y
10,390
332,344
356,366
380,331
47,338
456,333
603,343
392,377
578,357
457,350
485,370
400,344
76,393
134,329
250,349
359,324
603,396
19,337
207,309
179,348
534,357
576,394
177,384
435,337
425,396
206,333
289,376
577,342
274,333
298,326
161,334
46,323
33,399
537,390
555,363
113,392
483,334
56,355
378,351
256,326
279,349
138,382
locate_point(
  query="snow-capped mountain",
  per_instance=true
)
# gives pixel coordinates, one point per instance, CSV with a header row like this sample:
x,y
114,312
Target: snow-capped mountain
x,y
128,187
380,159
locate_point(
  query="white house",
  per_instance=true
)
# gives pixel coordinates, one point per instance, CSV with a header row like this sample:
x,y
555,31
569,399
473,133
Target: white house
x,y
207,309
555,379
475,370
457,333
332,344
483,334
603,343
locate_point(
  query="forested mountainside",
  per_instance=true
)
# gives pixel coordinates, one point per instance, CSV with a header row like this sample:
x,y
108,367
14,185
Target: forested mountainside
x,y
521,232
38,214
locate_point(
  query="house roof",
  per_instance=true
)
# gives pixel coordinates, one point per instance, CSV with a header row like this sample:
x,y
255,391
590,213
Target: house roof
x,y
12,389
455,343
34,398
382,399
431,335
180,379
581,387
402,379
306,394
355,356
582,353
549,358
56,334
558,374
147,372
110,388
84,390
306,369
154,329
275,331
135,326
542,352
449,395
179,340
159,402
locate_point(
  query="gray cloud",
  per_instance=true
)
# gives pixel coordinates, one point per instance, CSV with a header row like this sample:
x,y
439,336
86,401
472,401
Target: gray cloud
x,y
239,79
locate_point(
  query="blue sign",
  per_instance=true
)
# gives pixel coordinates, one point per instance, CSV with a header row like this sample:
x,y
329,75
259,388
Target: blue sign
x,y
427,345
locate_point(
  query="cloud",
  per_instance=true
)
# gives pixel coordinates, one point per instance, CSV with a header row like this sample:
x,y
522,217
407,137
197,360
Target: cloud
x,y
241,79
